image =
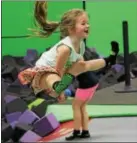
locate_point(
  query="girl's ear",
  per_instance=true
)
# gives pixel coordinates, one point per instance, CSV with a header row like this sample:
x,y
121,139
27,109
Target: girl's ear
x,y
71,30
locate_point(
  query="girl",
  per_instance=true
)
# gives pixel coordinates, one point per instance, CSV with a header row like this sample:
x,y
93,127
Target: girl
x,y
56,68
88,83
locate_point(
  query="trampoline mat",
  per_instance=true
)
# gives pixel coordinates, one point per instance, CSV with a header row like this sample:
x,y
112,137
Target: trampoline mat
x,y
118,129
64,113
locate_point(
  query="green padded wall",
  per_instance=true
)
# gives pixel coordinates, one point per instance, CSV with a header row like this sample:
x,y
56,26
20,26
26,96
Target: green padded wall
x,y
105,19
106,24
17,17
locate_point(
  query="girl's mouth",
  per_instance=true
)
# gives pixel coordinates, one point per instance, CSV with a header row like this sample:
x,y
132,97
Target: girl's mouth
x,y
86,31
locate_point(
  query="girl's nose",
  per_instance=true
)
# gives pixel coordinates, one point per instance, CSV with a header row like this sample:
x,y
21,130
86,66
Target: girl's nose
x,y
87,25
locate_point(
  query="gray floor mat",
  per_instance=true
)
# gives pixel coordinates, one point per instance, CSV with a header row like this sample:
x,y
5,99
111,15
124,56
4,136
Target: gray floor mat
x,y
122,129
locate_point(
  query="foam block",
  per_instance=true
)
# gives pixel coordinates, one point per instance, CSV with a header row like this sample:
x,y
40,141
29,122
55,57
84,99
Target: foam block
x,y
3,107
118,67
46,125
35,103
12,116
28,117
30,136
22,92
47,98
41,109
13,124
10,72
6,131
9,98
16,105
20,130
31,56
29,99
10,141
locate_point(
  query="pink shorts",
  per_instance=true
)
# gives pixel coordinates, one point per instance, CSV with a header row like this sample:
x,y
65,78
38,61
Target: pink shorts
x,y
86,94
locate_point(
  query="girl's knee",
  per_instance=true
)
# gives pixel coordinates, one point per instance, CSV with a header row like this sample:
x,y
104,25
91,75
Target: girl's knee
x,y
78,68
81,66
77,104
83,108
48,80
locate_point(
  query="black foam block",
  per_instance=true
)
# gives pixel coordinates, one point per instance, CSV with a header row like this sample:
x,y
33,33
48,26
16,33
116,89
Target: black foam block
x,y
3,106
16,62
3,67
11,72
4,86
21,91
47,98
13,89
10,141
134,71
108,79
29,99
16,105
19,130
41,109
6,131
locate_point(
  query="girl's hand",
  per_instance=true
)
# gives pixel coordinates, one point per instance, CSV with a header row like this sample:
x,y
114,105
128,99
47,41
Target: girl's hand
x,y
61,98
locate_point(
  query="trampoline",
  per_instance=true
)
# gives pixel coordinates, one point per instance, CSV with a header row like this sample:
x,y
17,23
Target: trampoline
x,y
118,129
107,123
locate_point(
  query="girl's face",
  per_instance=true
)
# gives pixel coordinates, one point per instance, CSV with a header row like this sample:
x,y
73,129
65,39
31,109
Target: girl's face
x,y
81,29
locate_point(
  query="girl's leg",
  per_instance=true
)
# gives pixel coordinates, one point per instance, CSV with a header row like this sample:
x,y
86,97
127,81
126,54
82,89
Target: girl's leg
x,y
47,81
91,65
85,117
84,66
76,69
85,95
85,120
76,106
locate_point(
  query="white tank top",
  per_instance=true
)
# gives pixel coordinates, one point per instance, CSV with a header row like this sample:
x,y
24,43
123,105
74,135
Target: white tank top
x,y
48,58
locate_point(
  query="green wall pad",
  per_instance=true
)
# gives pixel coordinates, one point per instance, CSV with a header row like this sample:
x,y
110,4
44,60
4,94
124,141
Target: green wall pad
x,y
64,112
35,103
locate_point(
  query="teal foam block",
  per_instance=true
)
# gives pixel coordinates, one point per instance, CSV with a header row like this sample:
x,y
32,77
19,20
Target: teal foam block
x,y
64,112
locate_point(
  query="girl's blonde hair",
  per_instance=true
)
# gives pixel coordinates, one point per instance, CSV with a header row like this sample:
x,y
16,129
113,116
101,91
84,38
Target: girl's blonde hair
x,y
68,20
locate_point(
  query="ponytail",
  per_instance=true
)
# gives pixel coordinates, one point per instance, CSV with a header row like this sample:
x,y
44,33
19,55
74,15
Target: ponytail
x,y
40,15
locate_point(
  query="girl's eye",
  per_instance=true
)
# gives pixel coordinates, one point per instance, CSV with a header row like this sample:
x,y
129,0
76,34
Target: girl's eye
x,y
85,23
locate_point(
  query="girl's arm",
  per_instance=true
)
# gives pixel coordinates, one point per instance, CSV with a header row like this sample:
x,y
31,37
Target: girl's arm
x,y
63,53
